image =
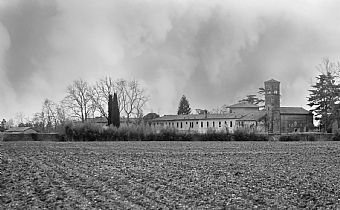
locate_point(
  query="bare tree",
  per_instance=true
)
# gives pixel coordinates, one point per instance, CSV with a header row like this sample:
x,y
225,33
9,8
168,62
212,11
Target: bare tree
x,y
9,123
61,114
100,95
38,121
78,99
220,110
20,117
49,114
132,98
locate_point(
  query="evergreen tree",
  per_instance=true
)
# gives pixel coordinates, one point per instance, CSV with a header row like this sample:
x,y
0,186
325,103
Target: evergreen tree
x,y
115,112
323,99
184,107
252,99
110,108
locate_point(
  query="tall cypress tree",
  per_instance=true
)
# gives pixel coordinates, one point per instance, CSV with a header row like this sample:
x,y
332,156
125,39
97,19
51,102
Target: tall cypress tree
x,y
110,108
115,112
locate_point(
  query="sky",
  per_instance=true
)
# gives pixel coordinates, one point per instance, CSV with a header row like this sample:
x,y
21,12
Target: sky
x,y
215,52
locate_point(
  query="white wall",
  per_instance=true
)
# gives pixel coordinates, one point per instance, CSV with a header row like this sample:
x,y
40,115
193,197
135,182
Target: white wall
x,y
196,125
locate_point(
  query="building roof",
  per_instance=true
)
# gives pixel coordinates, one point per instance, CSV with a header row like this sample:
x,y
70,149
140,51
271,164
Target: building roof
x,y
198,117
271,80
243,105
294,110
19,129
254,116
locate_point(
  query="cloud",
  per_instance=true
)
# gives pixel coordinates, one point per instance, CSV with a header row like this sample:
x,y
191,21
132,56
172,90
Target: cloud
x,y
7,94
215,52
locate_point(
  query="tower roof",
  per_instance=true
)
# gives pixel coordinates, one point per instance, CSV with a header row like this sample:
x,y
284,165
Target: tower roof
x,y
272,80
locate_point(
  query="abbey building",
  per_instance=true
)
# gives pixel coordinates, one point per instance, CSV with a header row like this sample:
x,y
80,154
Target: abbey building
x,y
244,116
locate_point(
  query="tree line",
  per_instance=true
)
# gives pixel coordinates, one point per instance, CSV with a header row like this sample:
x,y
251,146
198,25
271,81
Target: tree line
x,y
83,101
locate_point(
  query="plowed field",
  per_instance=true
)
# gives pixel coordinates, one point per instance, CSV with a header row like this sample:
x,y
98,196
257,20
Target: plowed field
x,y
169,175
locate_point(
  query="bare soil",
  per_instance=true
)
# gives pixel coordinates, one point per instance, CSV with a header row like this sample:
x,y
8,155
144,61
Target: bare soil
x,y
168,175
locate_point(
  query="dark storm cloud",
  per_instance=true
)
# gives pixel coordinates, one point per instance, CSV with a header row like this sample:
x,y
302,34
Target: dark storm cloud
x,y
215,52
28,25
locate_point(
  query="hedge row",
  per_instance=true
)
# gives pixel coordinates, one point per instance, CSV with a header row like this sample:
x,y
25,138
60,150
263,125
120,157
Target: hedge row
x,y
310,137
92,132
33,137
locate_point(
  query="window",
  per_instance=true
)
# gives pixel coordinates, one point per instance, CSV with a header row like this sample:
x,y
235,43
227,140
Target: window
x,y
186,123
197,123
201,124
181,125
207,124
231,123
213,124
225,122
219,124
177,124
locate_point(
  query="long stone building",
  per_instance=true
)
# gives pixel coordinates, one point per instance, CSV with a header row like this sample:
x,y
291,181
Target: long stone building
x,y
244,116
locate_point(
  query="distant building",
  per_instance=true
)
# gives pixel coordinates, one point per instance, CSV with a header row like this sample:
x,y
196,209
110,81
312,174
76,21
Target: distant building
x,y
295,119
200,123
21,130
244,116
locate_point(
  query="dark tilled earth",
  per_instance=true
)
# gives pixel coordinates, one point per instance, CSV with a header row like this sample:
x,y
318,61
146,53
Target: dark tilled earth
x,y
169,175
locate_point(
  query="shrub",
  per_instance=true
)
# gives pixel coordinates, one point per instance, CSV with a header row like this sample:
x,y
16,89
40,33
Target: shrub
x,y
289,138
94,132
310,137
212,135
34,136
244,136
298,137
336,137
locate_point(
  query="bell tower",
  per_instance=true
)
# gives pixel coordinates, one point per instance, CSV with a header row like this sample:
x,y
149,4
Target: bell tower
x,y
272,104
